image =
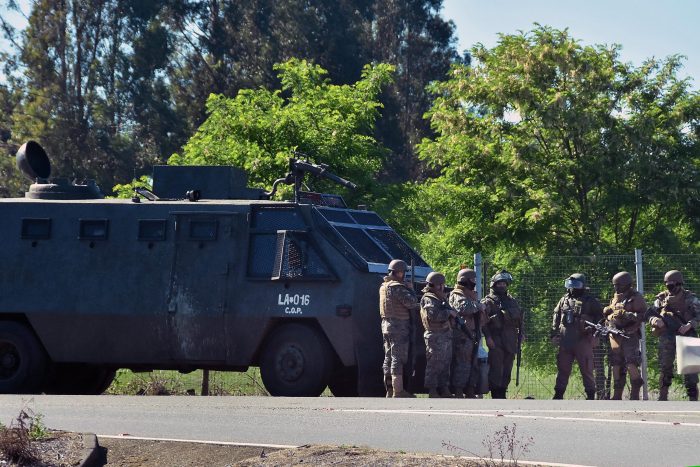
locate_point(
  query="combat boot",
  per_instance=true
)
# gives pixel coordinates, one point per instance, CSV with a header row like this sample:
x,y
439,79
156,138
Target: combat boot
x,y
469,393
558,394
636,385
397,384
387,385
590,395
663,393
692,392
617,394
433,393
459,394
445,393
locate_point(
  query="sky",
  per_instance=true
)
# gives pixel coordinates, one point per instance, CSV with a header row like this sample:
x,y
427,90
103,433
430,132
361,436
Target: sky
x,y
644,28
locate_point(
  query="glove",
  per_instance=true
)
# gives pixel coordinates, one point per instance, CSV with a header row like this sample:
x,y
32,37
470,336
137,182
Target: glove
x,y
685,328
657,322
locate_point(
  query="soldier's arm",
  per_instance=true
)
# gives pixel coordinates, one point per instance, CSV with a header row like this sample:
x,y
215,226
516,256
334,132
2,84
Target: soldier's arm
x,y
407,298
653,311
694,307
461,305
556,319
434,311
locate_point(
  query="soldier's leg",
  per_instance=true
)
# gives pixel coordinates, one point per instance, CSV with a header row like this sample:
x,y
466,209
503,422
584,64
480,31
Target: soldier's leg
x,y
691,386
617,360
565,359
508,360
400,341
431,364
386,367
496,371
584,357
633,359
667,353
445,361
461,364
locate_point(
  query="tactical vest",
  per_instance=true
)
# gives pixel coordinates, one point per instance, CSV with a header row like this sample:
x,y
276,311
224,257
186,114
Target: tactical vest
x,y
504,311
471,315
389,304
442,307
623,302
675,311
574,311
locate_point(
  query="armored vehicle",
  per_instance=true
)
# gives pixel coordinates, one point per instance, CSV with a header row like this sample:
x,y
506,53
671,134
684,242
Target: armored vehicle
x,y
201,272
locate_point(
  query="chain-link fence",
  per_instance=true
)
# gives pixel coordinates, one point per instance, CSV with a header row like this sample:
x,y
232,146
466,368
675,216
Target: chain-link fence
x,y
539,285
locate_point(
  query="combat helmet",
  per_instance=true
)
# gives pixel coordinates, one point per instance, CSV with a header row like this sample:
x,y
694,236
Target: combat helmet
x,y
622,278
397,265
435,278
501,276
466,274
674,276
575,281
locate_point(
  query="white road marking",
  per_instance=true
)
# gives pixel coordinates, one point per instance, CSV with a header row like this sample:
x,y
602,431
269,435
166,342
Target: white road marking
x,y
505,414
224,443
520,462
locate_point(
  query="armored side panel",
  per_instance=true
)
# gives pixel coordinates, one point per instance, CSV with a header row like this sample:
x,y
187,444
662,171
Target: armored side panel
x,y
212,182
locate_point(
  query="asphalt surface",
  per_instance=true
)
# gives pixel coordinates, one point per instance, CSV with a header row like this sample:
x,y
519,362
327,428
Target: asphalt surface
x,y
614,433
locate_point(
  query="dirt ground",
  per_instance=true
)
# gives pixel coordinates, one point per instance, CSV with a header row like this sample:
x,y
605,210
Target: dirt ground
x,y
64,450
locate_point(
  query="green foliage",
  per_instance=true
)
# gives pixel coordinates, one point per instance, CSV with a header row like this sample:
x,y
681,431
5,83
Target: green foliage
x,y
548,146
37,428
126,190
258,129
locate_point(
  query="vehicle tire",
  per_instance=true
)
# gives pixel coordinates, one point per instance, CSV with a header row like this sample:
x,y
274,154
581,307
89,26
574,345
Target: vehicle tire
x,y
78,378
343,382
296,361
22,360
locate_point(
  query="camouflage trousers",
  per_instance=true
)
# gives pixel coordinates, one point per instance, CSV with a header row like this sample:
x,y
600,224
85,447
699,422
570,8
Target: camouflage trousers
x,y
462,359
438,356
582,352
397,336
667,354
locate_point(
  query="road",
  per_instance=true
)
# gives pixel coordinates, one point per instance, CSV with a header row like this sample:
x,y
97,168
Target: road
x,y
614,433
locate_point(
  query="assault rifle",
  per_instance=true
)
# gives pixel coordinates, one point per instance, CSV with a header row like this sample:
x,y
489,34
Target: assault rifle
x,y
604,331
673,321
519,355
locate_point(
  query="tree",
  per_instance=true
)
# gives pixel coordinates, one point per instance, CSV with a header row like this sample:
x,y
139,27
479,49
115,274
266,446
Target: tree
x,y
548,146
90,86
258,129
412,36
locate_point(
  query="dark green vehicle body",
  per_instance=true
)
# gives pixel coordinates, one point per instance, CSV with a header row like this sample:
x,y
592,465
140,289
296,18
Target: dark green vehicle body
x,y
88,286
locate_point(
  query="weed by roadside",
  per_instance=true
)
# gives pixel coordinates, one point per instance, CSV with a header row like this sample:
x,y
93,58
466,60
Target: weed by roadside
x,y
504,447
16,439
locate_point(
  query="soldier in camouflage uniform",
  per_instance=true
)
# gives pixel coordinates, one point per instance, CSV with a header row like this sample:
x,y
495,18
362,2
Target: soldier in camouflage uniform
x,y
675,312
569,332
626,313
505,319
436,314
466,336
396,303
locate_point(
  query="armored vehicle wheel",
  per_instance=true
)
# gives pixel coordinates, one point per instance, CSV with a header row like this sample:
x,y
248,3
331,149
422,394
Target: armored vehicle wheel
x,y
296,361
78,378
22,359
343,382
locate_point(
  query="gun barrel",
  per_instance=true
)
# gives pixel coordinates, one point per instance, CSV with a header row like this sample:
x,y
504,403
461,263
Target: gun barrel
x,y
321,171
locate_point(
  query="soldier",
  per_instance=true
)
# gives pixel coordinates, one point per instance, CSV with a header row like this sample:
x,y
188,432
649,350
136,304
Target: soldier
x,y
569,332
396,303
435,313
504,327
467,334
626,313
675,312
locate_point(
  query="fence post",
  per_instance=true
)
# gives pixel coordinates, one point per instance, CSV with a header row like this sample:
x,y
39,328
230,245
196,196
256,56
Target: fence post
x,y
479,280
639,272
